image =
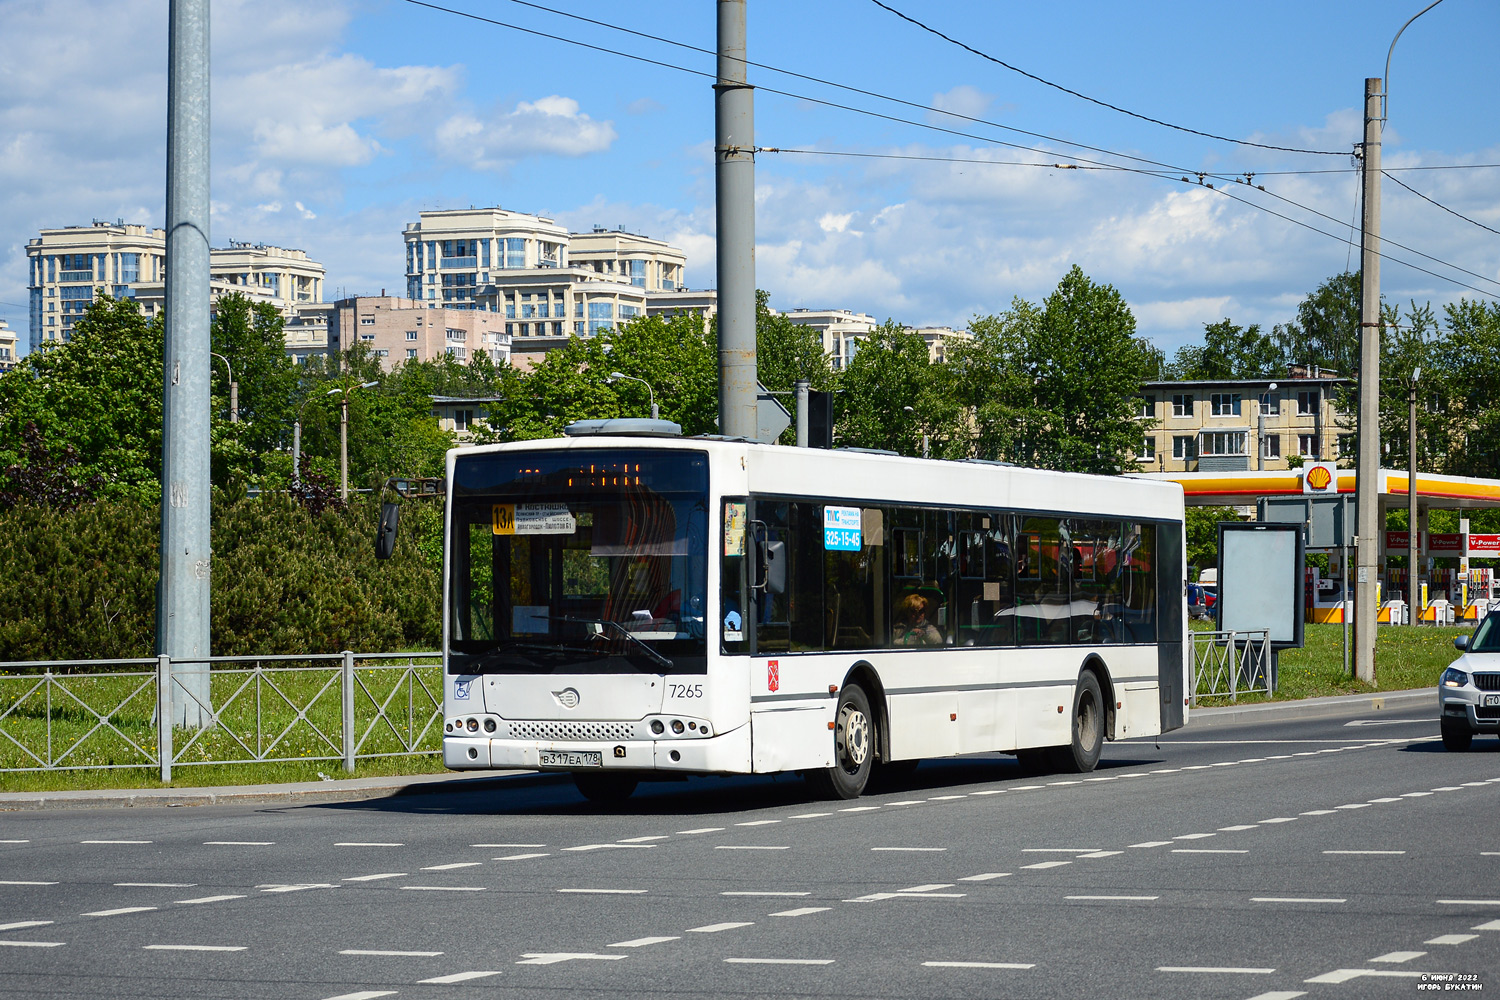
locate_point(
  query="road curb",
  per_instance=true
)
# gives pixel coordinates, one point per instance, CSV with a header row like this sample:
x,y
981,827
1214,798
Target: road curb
x,y
1311,708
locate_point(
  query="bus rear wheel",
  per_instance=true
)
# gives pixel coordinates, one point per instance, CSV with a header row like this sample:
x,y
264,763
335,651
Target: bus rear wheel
x,y
602,786
853,748
1082,754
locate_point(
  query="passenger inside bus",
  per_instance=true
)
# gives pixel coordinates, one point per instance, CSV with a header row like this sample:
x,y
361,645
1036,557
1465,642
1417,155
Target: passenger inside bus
x,y
912,622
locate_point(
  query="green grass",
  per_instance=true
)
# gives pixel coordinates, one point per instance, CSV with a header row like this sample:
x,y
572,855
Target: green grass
x,y
1405,658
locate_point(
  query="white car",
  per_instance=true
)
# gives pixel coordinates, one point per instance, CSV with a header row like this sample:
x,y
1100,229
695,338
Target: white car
x,y
1469,690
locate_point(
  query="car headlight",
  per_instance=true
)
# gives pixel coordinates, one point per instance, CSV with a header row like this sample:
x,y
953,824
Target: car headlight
x,y
1454,678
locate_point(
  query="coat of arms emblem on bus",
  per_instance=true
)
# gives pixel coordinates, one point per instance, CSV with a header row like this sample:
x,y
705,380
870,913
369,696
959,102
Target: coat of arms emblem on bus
x,y
773,675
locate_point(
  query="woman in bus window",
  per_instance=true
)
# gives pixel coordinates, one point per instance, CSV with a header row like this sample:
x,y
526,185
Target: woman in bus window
x,y
912,624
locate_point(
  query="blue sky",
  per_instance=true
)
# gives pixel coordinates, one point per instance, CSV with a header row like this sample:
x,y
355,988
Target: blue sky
x,y
336,122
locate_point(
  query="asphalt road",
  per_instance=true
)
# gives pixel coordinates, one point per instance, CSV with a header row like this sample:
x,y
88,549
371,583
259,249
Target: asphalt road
x,y
1342,858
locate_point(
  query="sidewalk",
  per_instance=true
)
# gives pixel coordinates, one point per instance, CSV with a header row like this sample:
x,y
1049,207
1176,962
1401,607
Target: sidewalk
x,y
351,789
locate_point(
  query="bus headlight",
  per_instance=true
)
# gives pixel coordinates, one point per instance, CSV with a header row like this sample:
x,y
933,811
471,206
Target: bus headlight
x,y
472,725
657,728
677,726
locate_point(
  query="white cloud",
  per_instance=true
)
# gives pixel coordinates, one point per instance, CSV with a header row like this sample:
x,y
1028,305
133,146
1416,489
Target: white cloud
x,y
835,223
970,102
547,126
304,210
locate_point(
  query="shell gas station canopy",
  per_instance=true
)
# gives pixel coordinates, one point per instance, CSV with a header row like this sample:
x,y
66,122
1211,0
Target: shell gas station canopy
x,y
1238,489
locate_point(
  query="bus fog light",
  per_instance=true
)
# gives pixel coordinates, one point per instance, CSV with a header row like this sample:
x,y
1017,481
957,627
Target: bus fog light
x,y
657,727
489,725
473,753
473,725
676,755
677,726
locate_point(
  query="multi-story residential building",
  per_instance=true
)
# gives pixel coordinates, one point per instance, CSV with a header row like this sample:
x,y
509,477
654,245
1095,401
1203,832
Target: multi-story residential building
x,y
939,339
1244,425
451,255
646,263
840,329
8,356
398,330
704,302
67,267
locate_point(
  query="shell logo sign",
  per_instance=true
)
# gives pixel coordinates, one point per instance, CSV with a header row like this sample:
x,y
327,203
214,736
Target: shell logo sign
x,y
1321,477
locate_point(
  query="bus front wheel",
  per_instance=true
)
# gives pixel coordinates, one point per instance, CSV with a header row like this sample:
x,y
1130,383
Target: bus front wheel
x,y
1082,753
853,748
602,786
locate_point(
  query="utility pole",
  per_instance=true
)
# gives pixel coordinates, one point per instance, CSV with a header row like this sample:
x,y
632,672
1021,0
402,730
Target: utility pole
x,y
1367,549
734,182
182,606
1411,499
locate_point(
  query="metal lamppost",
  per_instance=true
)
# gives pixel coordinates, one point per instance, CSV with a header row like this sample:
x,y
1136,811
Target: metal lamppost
x,y
926,440
1411,497
297,440
616,376
234,390
344,436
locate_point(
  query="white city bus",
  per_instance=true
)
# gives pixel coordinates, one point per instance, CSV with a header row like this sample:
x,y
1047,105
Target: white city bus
x,y
626,603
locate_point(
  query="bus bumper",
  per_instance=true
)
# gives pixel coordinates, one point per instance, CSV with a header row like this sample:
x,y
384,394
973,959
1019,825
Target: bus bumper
x,y
726,753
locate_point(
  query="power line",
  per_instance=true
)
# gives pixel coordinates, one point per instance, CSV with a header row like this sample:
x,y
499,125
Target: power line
x,y
1092,100
1442,206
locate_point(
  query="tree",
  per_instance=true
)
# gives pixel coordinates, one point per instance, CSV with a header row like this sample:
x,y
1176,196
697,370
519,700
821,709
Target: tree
x,y
991,387
1230,351
250,336
45,481
1468,357
787,351
1326,330
99,394
885,393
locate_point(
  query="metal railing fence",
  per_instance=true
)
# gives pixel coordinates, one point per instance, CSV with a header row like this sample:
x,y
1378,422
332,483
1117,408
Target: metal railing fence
x,y
1229,664
78,714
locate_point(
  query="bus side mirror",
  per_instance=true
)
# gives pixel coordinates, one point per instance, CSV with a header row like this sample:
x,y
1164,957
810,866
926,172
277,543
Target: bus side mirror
x,y
771,566
385,535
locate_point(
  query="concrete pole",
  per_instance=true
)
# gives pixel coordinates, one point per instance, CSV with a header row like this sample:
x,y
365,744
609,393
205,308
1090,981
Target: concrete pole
x,y
182,615
297,453
734,176
1368,483
800,387
1411,500
344,446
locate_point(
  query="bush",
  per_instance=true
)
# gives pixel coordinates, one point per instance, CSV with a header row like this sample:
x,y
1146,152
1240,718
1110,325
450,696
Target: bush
x,y
81,584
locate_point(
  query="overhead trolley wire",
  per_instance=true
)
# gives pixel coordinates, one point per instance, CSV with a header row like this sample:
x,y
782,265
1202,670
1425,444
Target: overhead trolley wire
x,y
1094,100
1442,206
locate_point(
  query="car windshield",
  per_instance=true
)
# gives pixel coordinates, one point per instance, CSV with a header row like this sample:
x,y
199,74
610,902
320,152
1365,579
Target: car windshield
x,y
1487,636
579,561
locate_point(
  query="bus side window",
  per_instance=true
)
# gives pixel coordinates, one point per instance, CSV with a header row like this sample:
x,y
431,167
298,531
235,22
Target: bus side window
x,y
985,604
849,595
792,621
1138,580
1042,596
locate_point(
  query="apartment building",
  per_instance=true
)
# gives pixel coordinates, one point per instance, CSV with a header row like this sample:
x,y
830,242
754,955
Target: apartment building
x,y
841,330
8,356
67,267
646,263
1237,426
398,329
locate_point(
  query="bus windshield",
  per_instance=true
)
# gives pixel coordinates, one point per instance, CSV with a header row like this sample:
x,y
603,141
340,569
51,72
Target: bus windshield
x,y
570,561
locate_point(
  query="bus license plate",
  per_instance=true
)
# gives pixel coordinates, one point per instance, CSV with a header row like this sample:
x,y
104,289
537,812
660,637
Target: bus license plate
x,y
570,758
1491,700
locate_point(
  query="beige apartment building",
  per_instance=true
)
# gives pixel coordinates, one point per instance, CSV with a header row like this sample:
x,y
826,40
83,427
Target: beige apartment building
x,y
1249,425
398,329
8,355
67,266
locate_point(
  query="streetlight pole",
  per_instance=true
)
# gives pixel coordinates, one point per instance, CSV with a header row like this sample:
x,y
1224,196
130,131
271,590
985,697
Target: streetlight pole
x,y
297,440
1411,498
234,390
344,436
615,376
1367,480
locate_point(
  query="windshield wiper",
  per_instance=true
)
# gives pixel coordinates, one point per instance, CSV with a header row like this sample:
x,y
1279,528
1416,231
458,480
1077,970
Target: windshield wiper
x,y
532,652
622,630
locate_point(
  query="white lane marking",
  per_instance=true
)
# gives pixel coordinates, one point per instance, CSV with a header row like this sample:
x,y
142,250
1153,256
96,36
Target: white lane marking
x,y
703,829
928,887
1364,852
449,868
1112,777
1354,805
925,895
295,887
606,847
459,977
1194,836
873,897
1058,850
759,822
1120,898
750,847
33,944
748,892
1296,899
554,957
22,924
1448,788
1153,843
1026,788
1469,902
390,954
917,802
1388,798
504,845
643,942
522,857
1167,770
779,961
1489,925
368,843
1318,812
983,791
716,928
239,843
1415,795
114,841
859,809
157,885
1398,956
1344,975
1489,854
192,947
364,995
1100,854
979,965
1076,781
1252,760
1280,995
117,912
606,892
1225,969
1241,826
984,877
375,878
809,815
950,798
207,899
21,882
1048,864
916,850
1196,767
1280,819
645,840
1451,939
1207,850
444,888
15,841
802,911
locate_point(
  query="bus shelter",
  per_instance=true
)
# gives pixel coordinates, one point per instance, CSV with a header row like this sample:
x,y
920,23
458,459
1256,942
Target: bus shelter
x,y
1448,584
